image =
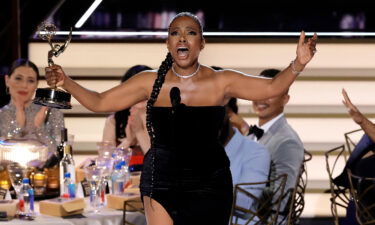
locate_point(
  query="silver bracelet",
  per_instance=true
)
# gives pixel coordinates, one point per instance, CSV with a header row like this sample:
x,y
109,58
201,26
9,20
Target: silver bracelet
x,y
294,71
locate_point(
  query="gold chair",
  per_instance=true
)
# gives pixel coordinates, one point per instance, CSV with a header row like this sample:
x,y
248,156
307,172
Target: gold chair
x,y
297,195
264,208
132,206
363,192
340,196
350,139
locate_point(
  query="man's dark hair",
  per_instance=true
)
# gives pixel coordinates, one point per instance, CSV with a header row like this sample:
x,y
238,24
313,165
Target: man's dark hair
x,y
271,73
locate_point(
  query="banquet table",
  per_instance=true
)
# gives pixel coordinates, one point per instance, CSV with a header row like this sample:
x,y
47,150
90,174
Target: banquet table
x,y
106,216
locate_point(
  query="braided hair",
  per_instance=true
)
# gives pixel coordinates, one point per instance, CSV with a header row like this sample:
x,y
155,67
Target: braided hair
x,y
162,71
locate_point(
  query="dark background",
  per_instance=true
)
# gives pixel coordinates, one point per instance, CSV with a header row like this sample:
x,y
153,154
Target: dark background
x,y
19,18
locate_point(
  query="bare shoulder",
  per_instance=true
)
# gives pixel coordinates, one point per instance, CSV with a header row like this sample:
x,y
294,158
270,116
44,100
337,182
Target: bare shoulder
x,y
212,73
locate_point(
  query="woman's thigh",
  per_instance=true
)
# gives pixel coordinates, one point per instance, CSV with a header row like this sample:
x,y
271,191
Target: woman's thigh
x,y
155,212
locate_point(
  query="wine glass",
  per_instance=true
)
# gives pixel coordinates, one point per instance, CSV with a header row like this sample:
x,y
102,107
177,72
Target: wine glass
x,y
106,164
105,148
94,176
16,174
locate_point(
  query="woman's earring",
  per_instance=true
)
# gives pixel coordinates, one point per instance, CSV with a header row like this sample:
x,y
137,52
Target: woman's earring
x,y
7,90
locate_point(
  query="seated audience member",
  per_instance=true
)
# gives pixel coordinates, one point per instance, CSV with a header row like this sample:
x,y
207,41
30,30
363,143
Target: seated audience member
x,y
127,128
235,119
280,139
116,126
249,161
362,160
21,118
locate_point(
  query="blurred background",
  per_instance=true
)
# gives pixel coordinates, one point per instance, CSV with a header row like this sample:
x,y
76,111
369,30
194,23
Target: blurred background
x,y
20,18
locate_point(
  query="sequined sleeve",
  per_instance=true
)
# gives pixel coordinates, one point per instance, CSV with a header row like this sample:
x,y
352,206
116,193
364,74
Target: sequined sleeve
x,y
50,132
8,124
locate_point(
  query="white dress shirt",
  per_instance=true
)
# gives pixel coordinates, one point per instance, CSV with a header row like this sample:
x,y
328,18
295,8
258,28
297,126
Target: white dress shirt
x,y
266,126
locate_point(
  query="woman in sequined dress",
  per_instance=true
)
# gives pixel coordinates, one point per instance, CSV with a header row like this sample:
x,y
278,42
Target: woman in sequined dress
x,y
186,177
23,119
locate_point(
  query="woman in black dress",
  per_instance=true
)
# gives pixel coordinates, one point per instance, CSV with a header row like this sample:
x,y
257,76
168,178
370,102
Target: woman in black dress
x,y
186,177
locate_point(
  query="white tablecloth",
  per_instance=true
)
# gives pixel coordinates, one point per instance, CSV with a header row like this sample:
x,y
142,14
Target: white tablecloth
x,y
104,217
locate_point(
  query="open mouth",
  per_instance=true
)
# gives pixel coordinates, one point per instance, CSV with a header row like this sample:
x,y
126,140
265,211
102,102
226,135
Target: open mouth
x,y
182,52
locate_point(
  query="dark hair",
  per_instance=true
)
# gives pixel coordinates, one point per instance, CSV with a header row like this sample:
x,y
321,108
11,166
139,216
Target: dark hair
x,y
271,73
162,71
23,62
224,131
190,15
216,68
133,71
232,105
121,117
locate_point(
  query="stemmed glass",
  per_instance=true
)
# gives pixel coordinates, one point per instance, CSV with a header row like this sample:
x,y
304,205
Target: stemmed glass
x,y
105,149
94,176
16,174
106,164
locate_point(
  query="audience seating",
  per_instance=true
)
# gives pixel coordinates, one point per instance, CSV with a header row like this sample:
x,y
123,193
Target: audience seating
x,y
339,196
363,191
297,195
263,207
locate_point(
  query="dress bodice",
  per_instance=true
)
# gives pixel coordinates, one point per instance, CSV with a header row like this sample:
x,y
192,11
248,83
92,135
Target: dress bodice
x,y
191,125
190,133
187,170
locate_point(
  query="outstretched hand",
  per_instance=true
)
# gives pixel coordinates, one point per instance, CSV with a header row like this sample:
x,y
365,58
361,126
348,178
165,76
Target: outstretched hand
x,y
306,49
356,115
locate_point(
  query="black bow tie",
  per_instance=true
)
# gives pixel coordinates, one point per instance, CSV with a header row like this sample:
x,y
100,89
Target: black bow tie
x,y
258,132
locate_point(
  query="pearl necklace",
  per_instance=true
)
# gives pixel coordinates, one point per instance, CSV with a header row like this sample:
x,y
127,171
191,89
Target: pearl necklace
x,y
186,76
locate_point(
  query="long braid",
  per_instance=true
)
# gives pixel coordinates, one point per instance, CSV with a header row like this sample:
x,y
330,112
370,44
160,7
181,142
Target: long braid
x,y
162,71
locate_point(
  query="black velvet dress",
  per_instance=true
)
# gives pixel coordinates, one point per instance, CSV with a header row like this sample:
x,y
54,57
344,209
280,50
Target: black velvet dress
x,y
187,170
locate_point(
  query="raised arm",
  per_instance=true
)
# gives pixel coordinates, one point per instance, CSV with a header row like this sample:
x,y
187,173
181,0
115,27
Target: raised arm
x,y
120,97
367,126
249,87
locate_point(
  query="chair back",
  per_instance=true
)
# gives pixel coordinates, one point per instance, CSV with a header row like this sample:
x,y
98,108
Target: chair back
x,y
297,197
340,196
263,202
352,138
363,192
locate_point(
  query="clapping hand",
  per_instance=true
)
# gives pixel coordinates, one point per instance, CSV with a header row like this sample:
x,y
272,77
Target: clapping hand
x,y
356,115
40,116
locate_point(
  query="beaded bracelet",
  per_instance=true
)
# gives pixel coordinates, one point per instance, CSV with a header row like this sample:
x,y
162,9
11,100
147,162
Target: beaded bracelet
x,y
294,71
